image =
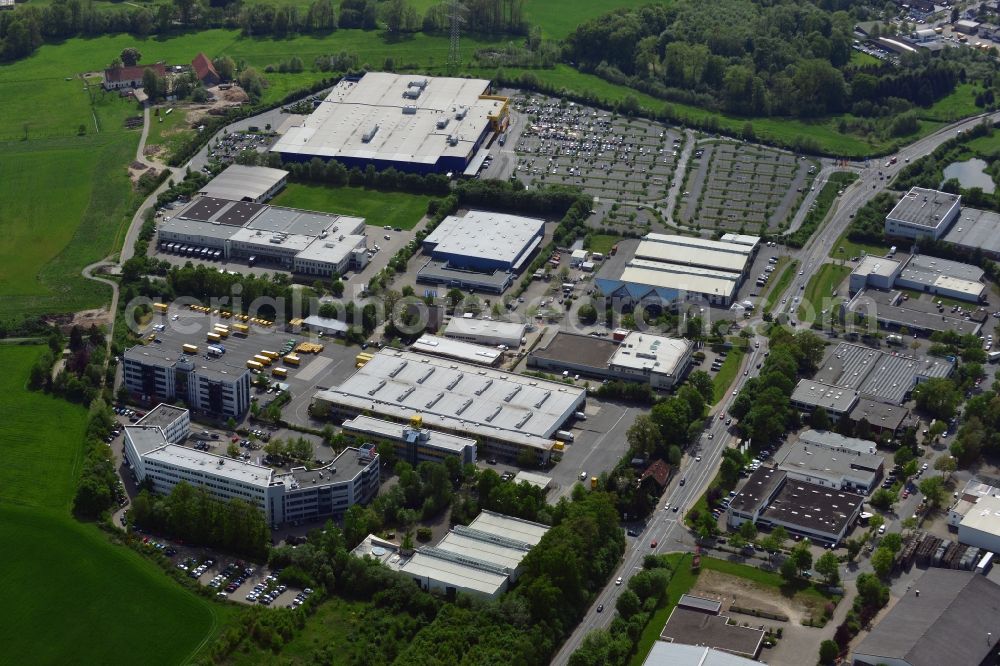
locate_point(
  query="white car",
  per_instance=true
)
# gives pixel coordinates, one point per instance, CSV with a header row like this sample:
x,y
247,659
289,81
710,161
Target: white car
x,y
697,458
618,581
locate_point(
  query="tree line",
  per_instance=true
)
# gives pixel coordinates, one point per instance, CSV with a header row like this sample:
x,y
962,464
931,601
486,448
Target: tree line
x,y
192,514
781,59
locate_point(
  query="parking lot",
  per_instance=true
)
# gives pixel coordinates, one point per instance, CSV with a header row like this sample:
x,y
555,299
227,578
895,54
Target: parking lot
x,y
743,187
227,146
617,160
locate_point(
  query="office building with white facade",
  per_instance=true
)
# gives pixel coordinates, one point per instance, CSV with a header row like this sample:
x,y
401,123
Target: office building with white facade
x,y
284,496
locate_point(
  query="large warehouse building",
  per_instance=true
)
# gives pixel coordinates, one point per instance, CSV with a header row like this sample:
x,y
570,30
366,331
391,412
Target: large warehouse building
x,y
480,250
246,183
663,268
640,357
923,213
852,372
408,122
412,442
480,560
508,414
297,494
486,331
921,273
206,384
293,240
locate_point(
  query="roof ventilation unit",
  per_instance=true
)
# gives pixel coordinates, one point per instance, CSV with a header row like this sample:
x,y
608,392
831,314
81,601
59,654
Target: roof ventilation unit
x,y
370,134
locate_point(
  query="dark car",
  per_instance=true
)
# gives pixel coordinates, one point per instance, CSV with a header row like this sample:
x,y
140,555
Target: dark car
x,y
600,608
632,533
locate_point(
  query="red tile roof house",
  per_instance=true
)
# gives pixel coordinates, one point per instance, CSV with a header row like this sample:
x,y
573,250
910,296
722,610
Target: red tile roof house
x,y
129,77
205,70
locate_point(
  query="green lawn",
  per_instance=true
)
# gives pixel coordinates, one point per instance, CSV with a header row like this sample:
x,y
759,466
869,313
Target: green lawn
x,y
168,130
39,434
603,243
558,20
727,373
74,597
682,581
395,209
852,249
819,290
779,286
766,579
959,104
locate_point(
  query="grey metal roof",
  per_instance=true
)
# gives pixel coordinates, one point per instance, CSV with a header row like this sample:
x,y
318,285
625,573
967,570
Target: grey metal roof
x,y
884,375
916,314
950,622
678,654
819,394
823,462
239,181
923,207
161,416
976,229
485,235
813,507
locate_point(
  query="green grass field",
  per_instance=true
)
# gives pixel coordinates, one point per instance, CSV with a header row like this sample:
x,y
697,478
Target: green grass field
x,y
557,20
168,130
852,249
959,104
395,209
603,243
38,434
727,373
74,597
818,294
779,286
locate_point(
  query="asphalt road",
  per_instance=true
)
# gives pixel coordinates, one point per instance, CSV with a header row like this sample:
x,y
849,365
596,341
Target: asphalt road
x,y
665,526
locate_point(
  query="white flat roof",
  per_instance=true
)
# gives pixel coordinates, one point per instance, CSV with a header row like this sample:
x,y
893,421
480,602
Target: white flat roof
x,y
679,269
208,464
657,353
145,438
519,529
679,282
736,247
691,256
923,207
331,250
740,239
872,265
984,516
381,428
502,329
480,549
337,127
453,573
534,478
459,396
486,235
457,349
679,654
238,181
325,322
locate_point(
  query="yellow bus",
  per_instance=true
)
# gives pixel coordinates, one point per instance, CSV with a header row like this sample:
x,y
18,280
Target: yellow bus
x,y
254,365
279,372
292,359
189,349
160,307
222,332
270,354
241,329
263,360
212,337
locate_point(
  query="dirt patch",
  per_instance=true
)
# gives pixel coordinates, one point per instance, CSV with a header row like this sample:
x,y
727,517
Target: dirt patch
x,y
84,319
224,100
735,591
136,171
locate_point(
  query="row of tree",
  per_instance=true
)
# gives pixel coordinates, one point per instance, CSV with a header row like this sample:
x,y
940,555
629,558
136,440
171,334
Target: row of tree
x,y
192,514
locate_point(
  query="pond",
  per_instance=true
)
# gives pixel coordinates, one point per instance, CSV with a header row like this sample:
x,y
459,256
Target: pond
x,y
970,173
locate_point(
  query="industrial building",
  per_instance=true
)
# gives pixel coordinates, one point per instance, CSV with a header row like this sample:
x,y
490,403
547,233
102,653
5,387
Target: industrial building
x,y
480,560
458,350
944,617
967,499
921,273
413,443
832,463
486,332
678,654
480,251
851,372
923,213
882,419
771,497
173,422
294,495
895,310
980,526
238,182
508,415
325,325
976,231
664,268
207,384
658,361
411,123
698,621
299,241
485,241
541,481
